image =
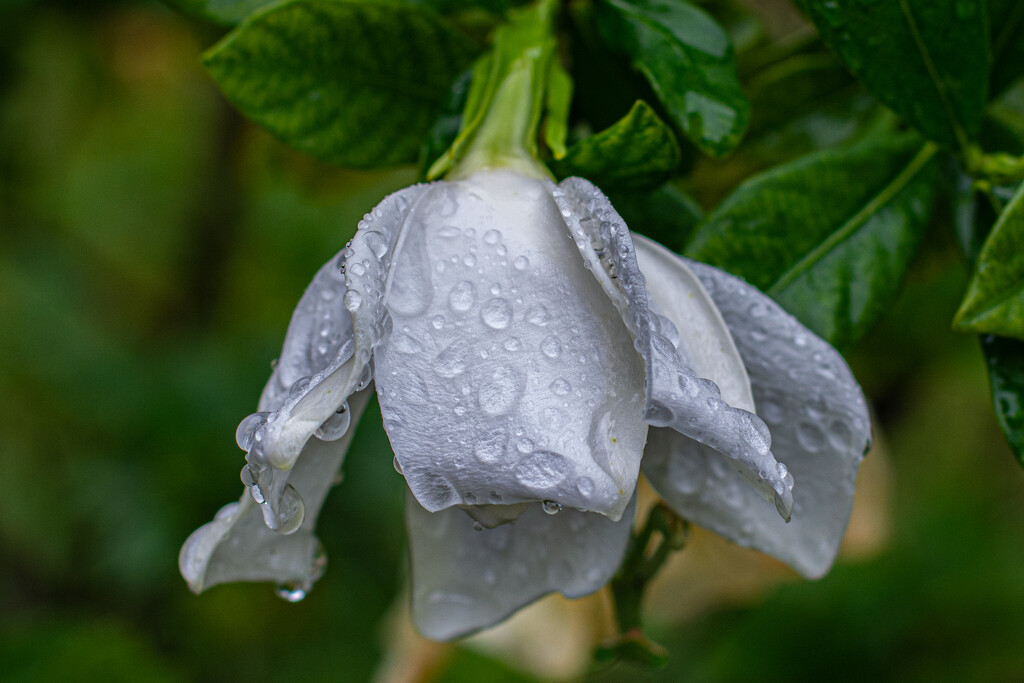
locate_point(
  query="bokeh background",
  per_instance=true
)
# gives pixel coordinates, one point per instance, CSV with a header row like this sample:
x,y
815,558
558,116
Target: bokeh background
x,y
152,246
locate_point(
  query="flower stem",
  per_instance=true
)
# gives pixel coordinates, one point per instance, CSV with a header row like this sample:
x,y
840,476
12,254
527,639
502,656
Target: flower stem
x,y
644,557
507,98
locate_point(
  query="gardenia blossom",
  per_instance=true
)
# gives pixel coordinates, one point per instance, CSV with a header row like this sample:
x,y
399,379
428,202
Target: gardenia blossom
x,y
531,356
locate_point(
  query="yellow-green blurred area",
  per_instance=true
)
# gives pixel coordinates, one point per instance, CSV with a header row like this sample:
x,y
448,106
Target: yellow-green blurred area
x,y
152,246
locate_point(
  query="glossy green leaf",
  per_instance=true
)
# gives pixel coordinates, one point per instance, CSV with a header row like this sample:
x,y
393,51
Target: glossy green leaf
x,y
353,83
687,59
1007,35
446,126
1005,361
557,102
667,215
994,303
926,59
637,152
829,236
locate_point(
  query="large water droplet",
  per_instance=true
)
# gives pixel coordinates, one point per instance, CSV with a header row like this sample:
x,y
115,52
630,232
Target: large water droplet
x,y
542,470
551,507
810,436
289,513
292,591
551,347
246,432
462,296
496,313
492,237
353,300
560,387
521,263
336,425
538,315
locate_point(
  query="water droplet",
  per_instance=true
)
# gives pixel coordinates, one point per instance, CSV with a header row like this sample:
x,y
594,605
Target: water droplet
x,y
524,446
462,296
357,269
500,391
437,322
512,344
490,447
560,387
551,347
521,263
377,243
246,432
542,470
286,517
538,315
810,436
469,498
452,360
492,237
496,313
449,232
335,426
291,591
459,410
551,507
353,300
585,485
398,466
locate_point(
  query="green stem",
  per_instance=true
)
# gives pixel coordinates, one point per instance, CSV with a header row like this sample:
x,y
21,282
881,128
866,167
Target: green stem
x,y
641,564
506,99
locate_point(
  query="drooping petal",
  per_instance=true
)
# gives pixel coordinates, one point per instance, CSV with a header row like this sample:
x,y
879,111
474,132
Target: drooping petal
x,y
326,357
820,427
465,579
507,376
677,395
238,546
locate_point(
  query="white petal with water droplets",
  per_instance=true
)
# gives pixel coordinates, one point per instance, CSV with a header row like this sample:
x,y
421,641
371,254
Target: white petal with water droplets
x,y
326,357
677,395
466,579
238,546
508,376
820,427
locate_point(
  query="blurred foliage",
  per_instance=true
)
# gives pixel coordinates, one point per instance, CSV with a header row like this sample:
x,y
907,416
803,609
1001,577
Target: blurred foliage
x,y
152,246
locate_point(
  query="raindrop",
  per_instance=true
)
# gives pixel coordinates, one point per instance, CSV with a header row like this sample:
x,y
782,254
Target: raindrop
x,y
551,507
462,296
398,466
496,313
291,591
538,315
521,263
353,300
492,237
551,347
560,387
336,425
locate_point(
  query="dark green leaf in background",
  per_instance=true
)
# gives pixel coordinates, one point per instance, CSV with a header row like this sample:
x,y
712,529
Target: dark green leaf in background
x,y
1005,360
637,152
926,59
667,215
687,59
1006,18
224,12
994,303
829,236
356,84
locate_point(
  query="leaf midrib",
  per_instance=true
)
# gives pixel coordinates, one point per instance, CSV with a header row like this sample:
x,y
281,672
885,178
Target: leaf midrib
x,y
851,226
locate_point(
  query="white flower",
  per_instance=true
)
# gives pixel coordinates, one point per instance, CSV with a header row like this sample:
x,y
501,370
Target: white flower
x,y
527,351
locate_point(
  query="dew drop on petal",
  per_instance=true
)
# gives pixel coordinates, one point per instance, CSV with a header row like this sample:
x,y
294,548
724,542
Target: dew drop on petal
x,y
462,296
492,237
496,313
353,300
551,347
551,507
521,263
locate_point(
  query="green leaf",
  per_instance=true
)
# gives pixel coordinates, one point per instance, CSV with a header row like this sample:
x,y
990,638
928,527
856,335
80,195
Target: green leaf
x,y
353,83
667,215
828,236
687,59
994,303
1007,22
926,59
1005,360
557,101
446,127
637,152
224,12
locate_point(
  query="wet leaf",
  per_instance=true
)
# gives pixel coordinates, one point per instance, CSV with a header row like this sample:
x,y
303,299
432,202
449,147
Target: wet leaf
x,y
356,84
637,152
830,235
1005,361
926,59
687,59
994,303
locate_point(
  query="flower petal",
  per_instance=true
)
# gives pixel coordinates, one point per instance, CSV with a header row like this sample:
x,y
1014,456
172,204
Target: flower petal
x,y
326,357
677,395
508,376
238,546
466,579
820,428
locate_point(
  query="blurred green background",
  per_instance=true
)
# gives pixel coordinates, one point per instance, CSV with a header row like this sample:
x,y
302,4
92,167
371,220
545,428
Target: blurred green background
x,y
152,246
